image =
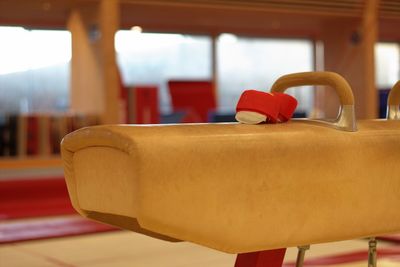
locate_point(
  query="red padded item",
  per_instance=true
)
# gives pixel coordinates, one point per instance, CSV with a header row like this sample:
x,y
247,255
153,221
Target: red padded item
x,y
287,106
261,102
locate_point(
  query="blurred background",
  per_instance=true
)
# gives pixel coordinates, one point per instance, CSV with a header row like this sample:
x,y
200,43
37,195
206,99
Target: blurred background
x,y
70,64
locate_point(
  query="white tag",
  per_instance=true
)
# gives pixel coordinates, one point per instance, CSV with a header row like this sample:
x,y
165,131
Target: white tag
x,y
250,117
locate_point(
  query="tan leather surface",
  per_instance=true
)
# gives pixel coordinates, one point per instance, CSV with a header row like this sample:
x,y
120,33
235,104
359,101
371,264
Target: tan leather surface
x,y
240,188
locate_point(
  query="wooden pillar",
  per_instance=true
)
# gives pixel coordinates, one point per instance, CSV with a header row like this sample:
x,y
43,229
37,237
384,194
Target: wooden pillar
x,y
94,85
109,25
349,51
86,81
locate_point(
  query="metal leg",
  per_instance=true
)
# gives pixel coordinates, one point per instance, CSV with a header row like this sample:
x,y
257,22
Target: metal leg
x,y
372,252
301,254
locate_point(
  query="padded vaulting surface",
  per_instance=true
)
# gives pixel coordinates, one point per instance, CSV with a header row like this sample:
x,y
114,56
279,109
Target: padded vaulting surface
x,y
239,188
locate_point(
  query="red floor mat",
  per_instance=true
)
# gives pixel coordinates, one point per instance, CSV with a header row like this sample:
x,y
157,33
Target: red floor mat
x,y
394,238
16,231
26,198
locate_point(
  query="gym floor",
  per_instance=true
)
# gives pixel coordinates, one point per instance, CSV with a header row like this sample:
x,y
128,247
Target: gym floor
x,y
123,249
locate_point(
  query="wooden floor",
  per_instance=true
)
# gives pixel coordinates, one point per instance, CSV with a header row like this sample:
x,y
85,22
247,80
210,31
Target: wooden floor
x,y
123,249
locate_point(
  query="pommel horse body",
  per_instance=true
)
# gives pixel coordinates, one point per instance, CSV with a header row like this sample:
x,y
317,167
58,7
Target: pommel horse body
x,y
252,190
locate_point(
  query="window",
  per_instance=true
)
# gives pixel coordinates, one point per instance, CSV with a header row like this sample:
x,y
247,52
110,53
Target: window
x,y
34,70
243,63
153,59
255,63
387,61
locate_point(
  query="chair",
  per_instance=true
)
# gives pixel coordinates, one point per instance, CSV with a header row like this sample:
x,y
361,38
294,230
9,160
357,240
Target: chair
x,y
195,98
143,105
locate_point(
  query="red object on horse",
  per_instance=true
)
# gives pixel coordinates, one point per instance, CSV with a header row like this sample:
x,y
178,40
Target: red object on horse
x,y
287,106
260,102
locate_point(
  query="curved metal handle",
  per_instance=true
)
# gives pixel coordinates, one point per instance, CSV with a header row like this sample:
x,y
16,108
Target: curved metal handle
x,y
346,119
393,103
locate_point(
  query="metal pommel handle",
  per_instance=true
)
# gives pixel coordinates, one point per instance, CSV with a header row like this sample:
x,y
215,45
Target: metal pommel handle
x,y
346,119
393,111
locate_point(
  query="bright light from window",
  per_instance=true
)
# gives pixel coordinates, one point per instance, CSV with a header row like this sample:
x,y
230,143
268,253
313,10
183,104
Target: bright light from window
x,y
387,64
136,29
128,41
22,50
255,63
227,38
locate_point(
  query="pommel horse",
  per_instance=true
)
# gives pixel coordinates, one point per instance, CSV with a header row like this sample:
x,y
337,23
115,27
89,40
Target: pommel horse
x,y
252,190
